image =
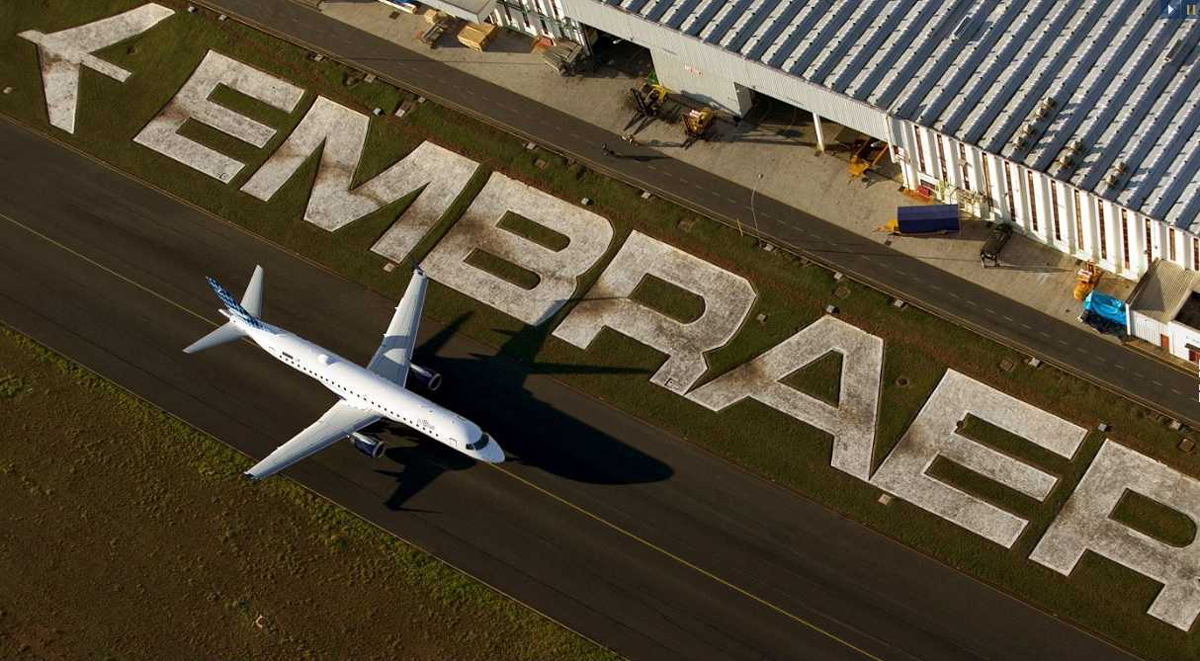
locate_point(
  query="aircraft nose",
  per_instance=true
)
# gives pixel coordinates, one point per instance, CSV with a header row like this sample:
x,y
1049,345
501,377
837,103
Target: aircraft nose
x,y
493,453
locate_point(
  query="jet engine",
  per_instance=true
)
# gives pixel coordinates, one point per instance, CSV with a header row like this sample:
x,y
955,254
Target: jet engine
x,y
367,445
429,379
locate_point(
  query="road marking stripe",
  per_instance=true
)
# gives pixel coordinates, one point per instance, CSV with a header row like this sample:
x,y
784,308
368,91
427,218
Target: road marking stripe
x,y
104,268
651,545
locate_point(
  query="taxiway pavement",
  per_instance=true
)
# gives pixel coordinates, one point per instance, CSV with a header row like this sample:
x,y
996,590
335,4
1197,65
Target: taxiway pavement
x,y
615,528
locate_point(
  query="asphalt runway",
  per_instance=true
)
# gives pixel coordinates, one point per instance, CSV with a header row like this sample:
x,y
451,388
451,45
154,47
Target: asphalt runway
x,y
1072,347
624,533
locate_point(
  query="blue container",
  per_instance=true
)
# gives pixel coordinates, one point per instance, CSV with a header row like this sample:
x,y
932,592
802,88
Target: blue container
x,y
1105,307
927,218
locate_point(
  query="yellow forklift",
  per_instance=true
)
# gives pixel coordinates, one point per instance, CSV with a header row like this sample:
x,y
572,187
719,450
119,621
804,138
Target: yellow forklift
x,y
696,124
867,156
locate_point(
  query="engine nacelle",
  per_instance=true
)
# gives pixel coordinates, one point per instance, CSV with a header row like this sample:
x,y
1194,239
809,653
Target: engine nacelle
x,y
367,445
429,379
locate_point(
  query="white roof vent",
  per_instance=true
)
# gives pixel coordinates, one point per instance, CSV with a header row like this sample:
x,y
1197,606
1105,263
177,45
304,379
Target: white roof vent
x,y
963,25
1175,52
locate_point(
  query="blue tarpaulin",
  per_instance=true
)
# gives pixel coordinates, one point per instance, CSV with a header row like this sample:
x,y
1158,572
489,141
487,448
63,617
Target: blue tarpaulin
x,y
1107,307
927,218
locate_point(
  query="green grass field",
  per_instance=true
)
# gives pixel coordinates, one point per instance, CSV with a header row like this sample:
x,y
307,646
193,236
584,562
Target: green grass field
x,y
918,347
156,550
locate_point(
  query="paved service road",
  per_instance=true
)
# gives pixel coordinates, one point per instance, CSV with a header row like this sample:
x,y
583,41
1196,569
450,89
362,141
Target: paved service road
x,y
615,528
1074,348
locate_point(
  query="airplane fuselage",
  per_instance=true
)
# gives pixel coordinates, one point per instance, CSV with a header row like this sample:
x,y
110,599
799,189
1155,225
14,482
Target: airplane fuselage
x,y
366,389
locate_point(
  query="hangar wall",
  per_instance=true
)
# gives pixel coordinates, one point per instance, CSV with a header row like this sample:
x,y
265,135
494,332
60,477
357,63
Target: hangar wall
x,y
686,79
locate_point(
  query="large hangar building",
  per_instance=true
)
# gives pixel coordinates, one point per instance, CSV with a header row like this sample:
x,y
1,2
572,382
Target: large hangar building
x,y
1074,119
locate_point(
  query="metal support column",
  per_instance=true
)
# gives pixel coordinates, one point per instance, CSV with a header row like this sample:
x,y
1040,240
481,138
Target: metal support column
x,y
820,134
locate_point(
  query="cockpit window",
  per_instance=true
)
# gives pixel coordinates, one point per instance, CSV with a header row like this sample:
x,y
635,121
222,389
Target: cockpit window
x,y
479,444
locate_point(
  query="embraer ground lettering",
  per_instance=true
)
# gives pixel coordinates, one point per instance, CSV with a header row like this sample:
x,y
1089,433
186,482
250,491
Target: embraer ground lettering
x,y
935,434
340,134
727,300
851,423
1086,524
440,175
588,236
192,102
62,53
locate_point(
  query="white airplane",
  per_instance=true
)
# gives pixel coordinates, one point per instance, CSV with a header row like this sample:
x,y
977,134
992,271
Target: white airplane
x,y
366,394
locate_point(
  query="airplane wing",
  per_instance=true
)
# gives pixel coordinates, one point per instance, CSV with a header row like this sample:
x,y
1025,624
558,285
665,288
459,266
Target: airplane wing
x,y
337,423
393,356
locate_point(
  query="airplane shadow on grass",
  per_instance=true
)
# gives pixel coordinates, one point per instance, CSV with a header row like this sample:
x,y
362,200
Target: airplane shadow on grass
x,y
490,390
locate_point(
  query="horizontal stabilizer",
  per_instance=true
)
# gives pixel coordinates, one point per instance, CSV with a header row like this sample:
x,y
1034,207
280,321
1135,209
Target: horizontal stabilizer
x,y
226,333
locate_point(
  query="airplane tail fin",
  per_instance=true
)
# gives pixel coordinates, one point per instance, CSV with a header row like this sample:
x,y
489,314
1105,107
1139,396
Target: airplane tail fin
x,y
252,299
247,311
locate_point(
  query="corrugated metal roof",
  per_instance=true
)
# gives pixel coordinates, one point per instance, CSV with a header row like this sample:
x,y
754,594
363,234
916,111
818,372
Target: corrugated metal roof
x,y
1163,290
1106,109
